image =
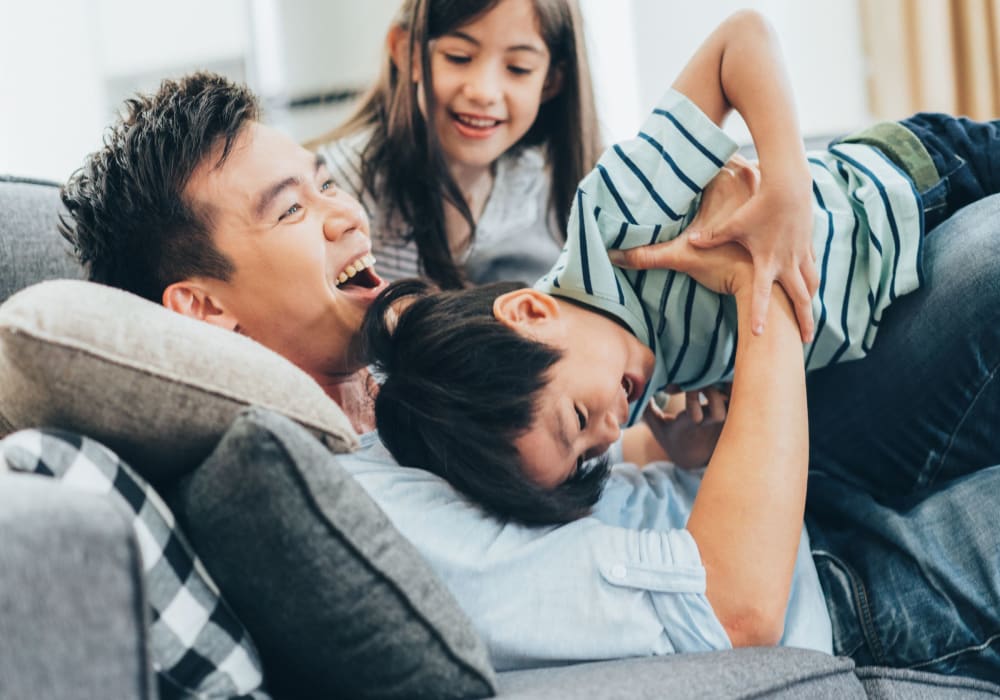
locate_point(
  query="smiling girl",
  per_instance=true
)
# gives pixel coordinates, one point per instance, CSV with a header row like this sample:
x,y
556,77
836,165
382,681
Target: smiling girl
x,y
467,150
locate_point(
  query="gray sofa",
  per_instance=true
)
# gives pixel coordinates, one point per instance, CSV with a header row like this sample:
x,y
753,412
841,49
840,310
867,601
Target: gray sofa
x,y
73,603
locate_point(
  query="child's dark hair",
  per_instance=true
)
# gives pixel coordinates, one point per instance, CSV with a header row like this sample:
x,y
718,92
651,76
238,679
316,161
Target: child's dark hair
x,y
402,162
129,222
459,388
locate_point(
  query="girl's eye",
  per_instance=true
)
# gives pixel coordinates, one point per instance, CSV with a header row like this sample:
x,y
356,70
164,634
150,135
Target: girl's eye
x,y
291,211
518,70
456,58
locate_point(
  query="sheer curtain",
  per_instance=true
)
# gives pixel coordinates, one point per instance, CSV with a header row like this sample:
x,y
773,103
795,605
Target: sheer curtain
x,y
932,55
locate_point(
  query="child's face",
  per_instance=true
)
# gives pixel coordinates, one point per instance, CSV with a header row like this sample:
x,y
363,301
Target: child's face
x,y
581,410
488,80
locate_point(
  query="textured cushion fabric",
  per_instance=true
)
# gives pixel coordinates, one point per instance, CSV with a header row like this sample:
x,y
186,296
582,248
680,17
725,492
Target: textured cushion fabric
x,y
156,387
72,612
776,673
905,684
31,247
197,646
338,602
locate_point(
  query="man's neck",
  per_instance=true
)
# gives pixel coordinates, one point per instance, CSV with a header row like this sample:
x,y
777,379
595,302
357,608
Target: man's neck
x,y
354,393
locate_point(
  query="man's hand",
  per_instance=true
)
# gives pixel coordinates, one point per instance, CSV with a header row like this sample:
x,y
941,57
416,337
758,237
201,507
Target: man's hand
x,y
774,223
725,269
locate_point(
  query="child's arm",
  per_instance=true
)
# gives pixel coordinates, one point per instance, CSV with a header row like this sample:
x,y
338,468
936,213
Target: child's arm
x,y
740,67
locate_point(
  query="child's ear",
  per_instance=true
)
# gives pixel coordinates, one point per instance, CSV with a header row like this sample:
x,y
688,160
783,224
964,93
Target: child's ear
x,y
553,83
398,43
193,300
525,309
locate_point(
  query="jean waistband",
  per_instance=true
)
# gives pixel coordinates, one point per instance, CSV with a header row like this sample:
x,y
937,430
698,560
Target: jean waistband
x,y
903,148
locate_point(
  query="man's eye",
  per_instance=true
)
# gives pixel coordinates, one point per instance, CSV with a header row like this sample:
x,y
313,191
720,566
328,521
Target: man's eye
x,y
291,211
456,58
328,185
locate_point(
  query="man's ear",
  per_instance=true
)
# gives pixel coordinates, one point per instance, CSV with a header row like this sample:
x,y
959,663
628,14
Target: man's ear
x,y
525,310
553,83
191,299
398,43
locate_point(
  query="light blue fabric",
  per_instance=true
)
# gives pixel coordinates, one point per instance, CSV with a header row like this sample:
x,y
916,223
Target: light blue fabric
x,y
867,235
627,581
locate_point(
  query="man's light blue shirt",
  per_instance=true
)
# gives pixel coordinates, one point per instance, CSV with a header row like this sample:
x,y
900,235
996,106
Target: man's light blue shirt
x,y
626,581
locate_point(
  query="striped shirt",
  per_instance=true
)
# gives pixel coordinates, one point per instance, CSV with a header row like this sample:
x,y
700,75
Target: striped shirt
x,y
517,235
867,233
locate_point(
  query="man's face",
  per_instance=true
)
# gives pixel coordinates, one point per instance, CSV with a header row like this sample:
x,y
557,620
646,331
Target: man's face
x,y
293,239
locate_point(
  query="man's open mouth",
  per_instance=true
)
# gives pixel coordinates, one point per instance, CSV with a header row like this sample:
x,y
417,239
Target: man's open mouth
x,y
359,273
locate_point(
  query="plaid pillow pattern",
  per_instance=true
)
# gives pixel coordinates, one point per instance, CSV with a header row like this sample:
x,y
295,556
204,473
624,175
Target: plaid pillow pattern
x,y
198,647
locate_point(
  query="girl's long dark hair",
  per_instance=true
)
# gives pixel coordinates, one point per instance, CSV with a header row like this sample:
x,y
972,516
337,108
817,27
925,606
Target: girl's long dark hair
x,y
403,166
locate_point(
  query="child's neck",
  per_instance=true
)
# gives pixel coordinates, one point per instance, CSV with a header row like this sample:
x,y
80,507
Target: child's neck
x,y
476,184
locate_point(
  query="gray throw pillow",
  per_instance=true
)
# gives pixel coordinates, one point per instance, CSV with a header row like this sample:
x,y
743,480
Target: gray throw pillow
x,y
339,603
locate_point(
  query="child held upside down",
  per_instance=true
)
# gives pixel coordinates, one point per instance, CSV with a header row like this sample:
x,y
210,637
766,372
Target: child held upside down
x,y
509,392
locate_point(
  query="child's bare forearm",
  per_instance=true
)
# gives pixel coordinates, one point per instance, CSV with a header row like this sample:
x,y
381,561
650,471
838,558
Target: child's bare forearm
x,y
740,66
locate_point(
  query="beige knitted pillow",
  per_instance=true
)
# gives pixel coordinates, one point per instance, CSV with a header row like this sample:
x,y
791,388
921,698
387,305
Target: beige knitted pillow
x,y
156,387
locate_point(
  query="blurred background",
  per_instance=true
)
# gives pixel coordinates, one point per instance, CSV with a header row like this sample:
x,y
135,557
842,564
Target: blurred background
x,y
66,65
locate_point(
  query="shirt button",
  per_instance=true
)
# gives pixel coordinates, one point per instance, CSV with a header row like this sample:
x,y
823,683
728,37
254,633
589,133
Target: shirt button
x,y
618,571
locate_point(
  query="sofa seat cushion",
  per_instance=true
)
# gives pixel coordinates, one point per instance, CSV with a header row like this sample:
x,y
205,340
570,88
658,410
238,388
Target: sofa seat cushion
x,y
775,673
339,603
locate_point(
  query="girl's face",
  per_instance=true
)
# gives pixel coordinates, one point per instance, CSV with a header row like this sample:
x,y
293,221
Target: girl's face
x,y
488,81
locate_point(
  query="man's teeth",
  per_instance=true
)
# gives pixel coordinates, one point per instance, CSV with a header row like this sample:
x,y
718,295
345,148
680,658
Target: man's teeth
x,y
478,123
364,262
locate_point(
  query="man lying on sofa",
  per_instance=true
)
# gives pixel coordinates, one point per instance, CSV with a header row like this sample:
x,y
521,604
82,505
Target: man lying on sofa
x,y
193,203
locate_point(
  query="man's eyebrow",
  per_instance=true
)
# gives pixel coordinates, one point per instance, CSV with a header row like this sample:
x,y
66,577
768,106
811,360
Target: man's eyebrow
x,y
272,192
518,47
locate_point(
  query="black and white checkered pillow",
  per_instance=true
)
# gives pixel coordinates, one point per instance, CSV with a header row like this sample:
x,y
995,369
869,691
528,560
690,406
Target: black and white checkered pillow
x,y
198,647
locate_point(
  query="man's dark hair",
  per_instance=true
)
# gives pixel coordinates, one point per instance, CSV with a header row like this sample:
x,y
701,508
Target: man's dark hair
x,y
129,222
459,388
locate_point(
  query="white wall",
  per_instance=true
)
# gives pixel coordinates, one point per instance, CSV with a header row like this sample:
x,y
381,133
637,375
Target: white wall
x,y
638,47
66,64
51,102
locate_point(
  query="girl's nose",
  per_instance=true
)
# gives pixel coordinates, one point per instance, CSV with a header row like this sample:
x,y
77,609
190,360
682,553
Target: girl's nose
x,y
483,87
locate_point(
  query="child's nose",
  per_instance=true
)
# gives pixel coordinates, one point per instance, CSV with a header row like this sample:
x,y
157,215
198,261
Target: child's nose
x,y
483,86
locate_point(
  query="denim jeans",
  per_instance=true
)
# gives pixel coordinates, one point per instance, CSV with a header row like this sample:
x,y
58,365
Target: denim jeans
x,y
966,154
904,503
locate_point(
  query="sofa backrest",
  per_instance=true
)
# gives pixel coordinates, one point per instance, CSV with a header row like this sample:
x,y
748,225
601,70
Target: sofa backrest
x,y
31,247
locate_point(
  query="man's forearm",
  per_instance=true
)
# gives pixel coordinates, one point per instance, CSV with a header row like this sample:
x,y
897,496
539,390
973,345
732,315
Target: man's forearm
x,y
747,518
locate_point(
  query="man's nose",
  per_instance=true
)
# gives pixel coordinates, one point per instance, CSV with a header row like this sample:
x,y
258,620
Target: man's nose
x,y
344,217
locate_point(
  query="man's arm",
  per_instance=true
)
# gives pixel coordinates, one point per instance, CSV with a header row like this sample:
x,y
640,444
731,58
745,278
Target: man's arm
x,y
747,517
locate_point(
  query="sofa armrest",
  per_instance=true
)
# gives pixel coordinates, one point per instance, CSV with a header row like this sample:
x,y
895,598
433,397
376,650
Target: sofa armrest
x,y
72,603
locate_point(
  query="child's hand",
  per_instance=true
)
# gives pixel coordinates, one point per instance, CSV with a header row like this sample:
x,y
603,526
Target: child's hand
x,y
689,443
774,223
